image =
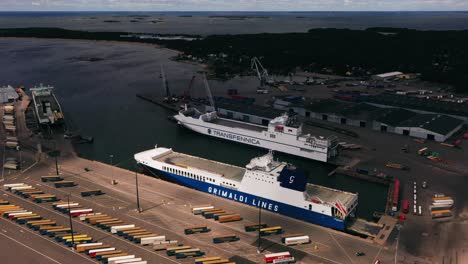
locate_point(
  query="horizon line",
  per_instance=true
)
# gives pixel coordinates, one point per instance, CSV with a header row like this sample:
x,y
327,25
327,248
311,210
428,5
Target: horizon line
x,y
243,11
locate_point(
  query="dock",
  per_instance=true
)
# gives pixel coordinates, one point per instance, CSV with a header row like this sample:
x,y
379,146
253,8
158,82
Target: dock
x,y
368,177
157,100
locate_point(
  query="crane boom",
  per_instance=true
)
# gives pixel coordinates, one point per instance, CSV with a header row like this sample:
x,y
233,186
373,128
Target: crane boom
x,y
187,92
164,82
208,91
262,73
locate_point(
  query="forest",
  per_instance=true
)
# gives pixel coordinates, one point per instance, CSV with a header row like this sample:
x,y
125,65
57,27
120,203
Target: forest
x,y
440,56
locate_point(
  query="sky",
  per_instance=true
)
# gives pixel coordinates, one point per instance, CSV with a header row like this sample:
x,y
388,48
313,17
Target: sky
x,y
233,5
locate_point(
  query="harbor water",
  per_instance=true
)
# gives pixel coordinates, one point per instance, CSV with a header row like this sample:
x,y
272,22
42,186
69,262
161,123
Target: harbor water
x,y
98,98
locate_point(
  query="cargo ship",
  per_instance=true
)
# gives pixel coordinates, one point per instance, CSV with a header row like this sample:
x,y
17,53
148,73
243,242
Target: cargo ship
x,y
283,134
275,186
46,106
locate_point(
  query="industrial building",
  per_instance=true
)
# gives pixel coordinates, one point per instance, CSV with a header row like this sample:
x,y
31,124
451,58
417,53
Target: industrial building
x,y
244,110
457,110
8,94
436,127
430,126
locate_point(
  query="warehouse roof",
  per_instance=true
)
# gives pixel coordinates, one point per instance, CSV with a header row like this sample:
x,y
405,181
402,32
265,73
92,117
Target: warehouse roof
x,y
429,105
355,111
395,116
247,107
440,124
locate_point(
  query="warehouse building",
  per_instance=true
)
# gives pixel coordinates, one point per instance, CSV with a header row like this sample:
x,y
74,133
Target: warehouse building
x,y
430,126
244,110
391,118
457,110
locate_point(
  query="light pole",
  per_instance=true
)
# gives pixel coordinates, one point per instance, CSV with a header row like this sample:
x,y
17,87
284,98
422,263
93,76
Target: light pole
x,y
3,164
71,222
259,249
111,156
137,193
397,242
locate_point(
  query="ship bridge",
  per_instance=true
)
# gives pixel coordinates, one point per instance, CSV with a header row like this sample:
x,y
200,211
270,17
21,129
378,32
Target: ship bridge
x,y
343,201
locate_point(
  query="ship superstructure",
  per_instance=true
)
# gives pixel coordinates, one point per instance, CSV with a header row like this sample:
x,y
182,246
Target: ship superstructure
x,y
273,185
46,106
283,134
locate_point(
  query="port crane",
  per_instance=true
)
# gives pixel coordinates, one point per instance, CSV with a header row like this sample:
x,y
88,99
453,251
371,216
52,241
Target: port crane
x,y
208,92
168,98
262,74
187,91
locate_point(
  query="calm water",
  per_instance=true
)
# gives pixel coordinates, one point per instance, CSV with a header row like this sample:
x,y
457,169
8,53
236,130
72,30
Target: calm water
x,y
99,99
206,23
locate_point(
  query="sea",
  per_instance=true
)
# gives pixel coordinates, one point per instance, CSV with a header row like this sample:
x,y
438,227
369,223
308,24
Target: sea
x,y
99,99
208,23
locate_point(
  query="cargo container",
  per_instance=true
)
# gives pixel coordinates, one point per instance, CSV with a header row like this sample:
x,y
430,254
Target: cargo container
x,y
254,227
116,258
170,251
93,251
295,240
196,229
271,230
396,195
61,184
75,213
132,261
109,255
91,192
219,261
270,258
405,206
162,245
150,240
51,178
210,214
205,259
225,238
192,252
115,229
196,210
229,218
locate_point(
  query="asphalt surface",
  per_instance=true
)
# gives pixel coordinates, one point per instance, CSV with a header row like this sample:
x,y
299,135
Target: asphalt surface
x,y
166,210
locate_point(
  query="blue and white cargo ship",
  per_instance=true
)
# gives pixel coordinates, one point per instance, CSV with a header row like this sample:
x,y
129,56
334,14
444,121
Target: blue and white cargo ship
x,y
272,185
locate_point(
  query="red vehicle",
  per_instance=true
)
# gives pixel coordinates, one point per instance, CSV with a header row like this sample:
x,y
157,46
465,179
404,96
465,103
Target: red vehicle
x,y
270,258
405,206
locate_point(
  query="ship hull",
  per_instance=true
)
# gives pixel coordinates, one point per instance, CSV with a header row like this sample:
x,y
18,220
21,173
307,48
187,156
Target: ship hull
x,y
252,200
253,139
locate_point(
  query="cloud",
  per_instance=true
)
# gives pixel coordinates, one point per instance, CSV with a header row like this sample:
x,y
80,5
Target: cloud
x,y
234,5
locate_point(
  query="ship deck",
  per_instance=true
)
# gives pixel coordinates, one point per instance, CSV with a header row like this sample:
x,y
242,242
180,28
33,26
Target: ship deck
x,y
234,124
329,195
227,171
41,100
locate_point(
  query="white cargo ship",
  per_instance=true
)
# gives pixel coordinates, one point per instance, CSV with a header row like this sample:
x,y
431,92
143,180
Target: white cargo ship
x,y
272,185
283,134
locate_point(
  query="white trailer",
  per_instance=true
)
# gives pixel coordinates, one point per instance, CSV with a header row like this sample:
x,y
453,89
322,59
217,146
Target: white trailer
x,y
151,240
115,229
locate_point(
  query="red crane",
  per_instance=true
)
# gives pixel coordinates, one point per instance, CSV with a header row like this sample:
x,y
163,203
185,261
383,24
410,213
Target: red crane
x,y
187,91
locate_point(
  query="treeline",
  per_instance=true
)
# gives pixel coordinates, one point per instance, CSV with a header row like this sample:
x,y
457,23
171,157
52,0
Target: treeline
x,y
440,56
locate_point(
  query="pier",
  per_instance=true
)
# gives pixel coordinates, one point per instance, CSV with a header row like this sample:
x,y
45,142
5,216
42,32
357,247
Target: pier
x,y
157,100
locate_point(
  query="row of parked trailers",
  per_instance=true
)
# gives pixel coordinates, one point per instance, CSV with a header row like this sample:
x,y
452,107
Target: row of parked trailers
x,y
46,227
218,214
441,206
11,141
30,192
